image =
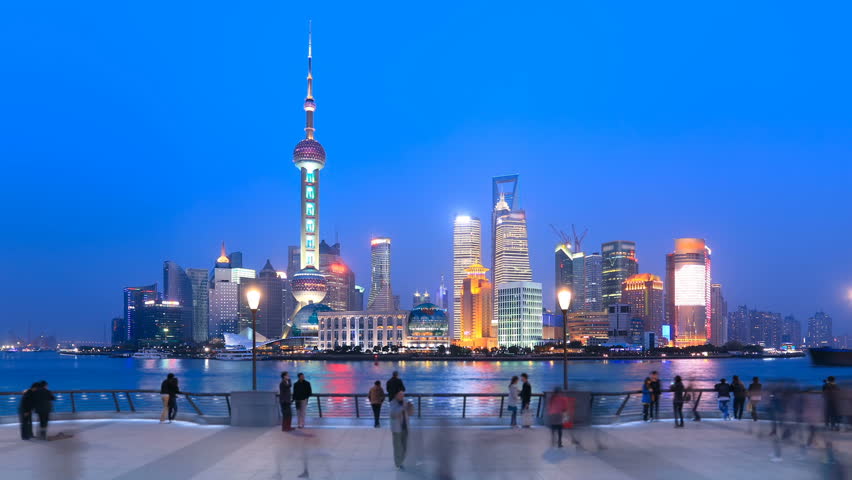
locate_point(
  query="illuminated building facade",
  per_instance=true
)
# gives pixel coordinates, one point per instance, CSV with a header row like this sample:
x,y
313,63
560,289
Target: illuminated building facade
x,y
588,328
428,328
619,263
578,297
688,292
621,329
820,330
476,310
134,298
467,251
177,287
161,322
119,331
441,296
199,279
339,277
593,283
511,258
718,316
369,330
419,298
381,294
224,298
505,189
564,272
792,331
270,313
738,325
519,314
644,293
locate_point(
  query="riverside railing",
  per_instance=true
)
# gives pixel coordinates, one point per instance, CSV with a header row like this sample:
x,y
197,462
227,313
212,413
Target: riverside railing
x,y
604,407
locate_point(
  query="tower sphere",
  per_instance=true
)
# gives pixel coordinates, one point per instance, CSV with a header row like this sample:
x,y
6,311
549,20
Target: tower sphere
x,y
309,154
309,286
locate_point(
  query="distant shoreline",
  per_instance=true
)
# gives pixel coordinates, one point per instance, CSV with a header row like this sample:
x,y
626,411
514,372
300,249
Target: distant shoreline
x,y
519,358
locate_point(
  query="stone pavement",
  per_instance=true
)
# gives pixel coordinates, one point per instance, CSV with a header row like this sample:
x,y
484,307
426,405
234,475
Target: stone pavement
x,y
146,450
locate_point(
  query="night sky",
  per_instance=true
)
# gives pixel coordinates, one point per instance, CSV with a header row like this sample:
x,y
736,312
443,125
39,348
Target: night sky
x,y
134,134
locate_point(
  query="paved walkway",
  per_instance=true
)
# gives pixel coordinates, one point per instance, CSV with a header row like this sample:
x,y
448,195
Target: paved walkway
x,y
146,450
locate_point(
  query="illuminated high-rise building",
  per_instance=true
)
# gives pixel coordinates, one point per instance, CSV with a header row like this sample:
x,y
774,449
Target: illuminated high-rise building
x,y
381,294
161,322
738,325
503,188
718,316
593,283
134,299
519,314
199,278
619,263
419,298
644,293
177,287
467,251
688,291
820,332
340,278
476,310
270,314
564,272
578,299
224,298
511,259
441,296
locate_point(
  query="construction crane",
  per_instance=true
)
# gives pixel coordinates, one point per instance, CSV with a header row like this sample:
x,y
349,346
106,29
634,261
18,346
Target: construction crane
x,y
578,239
562,236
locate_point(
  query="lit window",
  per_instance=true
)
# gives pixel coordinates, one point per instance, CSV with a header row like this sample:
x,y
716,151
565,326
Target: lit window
x,y
310,258
309,192
309,226
309,243
310,177
310,209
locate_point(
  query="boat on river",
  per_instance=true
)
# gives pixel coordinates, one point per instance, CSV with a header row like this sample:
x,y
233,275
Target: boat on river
x,y
233,355
147,354
831,357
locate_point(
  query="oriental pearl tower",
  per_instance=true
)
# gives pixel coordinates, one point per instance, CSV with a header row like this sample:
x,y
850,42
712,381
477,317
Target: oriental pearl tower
x,y
309,285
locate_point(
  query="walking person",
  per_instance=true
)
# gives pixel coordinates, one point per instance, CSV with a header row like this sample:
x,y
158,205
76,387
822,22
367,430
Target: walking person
x,y
164,395
647,393
656,395
285,398
394,385
723,392
513,400
830,394
755,395
557,407
376,396
25,411
301,393
526,398
174,390
739,390
679,394
400,412
43,404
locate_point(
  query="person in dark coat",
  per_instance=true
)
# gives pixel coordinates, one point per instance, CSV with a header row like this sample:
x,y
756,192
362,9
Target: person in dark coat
x,y
393,386
656,395
285,398
43,404
678,390
739,390
755,395
173,390
301,393
723,391
830,394
25,412
526,398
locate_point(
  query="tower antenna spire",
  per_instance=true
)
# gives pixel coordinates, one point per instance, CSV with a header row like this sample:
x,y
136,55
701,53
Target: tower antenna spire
x,y
310,105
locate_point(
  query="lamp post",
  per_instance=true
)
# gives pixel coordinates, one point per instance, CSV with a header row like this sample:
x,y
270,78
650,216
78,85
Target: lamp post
x,y
564,297
253,297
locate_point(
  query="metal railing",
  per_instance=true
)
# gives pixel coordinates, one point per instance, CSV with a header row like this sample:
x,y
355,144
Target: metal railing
x,y
604,407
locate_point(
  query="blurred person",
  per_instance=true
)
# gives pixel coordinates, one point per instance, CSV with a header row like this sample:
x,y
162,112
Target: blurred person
x,y
526,398
43,404
755,395
25,411
301,393
376,396
656,395
647,394
723,395
174,390
285,399
739,390
164,395
693,397
557,408
514,398
678,391
400,413
830,394
394,385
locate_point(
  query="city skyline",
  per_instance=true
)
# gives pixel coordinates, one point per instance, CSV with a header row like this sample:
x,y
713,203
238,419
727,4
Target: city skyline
x,y
747,224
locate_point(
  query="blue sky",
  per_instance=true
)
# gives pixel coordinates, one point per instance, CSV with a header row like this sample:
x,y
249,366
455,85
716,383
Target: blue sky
x,y
133,134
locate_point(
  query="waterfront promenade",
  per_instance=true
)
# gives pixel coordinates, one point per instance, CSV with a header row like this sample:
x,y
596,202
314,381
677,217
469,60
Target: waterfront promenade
x,y
145,449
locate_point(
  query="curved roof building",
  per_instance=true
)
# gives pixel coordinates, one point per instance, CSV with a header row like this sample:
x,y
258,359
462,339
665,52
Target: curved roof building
x,y
428,327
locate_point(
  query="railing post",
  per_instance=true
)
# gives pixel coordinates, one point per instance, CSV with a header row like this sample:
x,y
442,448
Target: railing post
x,y
464,406
73,405
319,406
115,399
357,412
621,407
130,402
418,405
538,407
502,398
189,399
228,401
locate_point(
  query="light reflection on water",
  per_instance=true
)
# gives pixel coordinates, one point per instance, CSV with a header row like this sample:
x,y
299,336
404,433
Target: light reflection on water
x,y
474,376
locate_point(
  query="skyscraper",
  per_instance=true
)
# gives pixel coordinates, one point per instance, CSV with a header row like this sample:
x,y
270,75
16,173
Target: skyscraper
x,y
578,299
593,282
119,331
738,325
644,293
294,260
688,291
381,294
792,331
619,263
467,251
519,314
270,314
177,287
420,298
511,259
503,188
564,272
341,278
476,309
441,297
134,298
719,316
200,282
356,299
820,330
161,322
224,298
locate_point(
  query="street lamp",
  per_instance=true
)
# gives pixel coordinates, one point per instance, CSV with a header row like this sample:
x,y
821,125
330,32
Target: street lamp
x,y
253,297
564,297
